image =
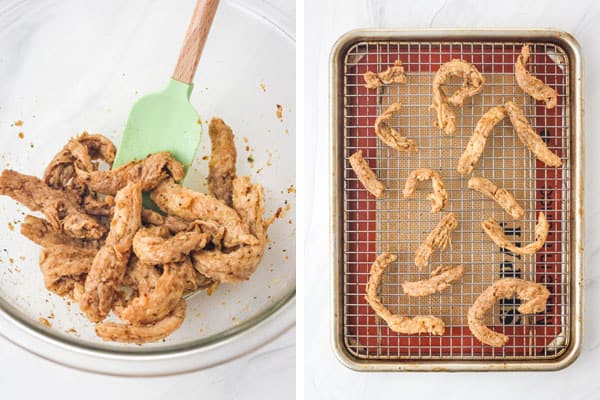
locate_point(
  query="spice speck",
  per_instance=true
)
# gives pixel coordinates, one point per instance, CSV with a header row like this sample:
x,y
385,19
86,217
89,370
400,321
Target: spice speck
x,y
45,322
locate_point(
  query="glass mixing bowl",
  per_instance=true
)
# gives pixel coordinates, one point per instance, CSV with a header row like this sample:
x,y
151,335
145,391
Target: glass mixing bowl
x,y
72,66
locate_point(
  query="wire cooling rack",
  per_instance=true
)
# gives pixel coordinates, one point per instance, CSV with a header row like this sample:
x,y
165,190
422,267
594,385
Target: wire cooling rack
x,y
398,225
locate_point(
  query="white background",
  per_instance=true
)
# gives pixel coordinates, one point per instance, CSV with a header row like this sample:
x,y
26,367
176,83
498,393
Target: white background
x,y
325,378
268,373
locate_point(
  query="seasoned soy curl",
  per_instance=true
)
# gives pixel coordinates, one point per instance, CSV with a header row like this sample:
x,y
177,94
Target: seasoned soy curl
x,y
397,323
41,232
140,277
533,295
500,196
221,166
80,152
110,263
156,304
366,175
530,84
476,144
472,84
439,197
441,278
393,74
189,205
127,333
389,135
496,233
62,212
63,266
155,245
149,172
238,265
438,238
192,279
529,137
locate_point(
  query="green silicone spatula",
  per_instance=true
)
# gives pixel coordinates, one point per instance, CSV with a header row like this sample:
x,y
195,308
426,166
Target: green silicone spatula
x,y
166,121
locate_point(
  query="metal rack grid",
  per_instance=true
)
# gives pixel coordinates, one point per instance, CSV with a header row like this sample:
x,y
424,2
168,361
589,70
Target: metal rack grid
x,y
371,226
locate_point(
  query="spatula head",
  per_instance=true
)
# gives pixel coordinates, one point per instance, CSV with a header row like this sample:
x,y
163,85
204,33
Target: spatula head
x,y
164,121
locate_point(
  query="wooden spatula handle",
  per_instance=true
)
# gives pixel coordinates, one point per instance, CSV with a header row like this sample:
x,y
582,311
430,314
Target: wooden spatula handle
x,y
195,38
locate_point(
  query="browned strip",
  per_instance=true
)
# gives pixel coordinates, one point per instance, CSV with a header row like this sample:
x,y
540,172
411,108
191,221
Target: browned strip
x,y
393,74
441,278
439,197
500,196
389,135
533,294
397,323
366,175
476,144
530,84
496,233
438,238
529,137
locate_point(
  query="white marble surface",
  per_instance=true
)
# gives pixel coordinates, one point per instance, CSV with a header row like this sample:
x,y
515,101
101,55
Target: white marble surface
x,y
267,373
325,378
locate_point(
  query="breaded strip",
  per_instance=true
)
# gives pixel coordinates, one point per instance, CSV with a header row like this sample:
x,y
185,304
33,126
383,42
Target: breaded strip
x,y
438,238
476,144
126,333
439,197
40,231
533,294
63,265
239,264
150,172
397,323
393,74
500,196
529,137
110,262
62,213
472,84
154,305
221,166
189,205
154,245
440,279
530,84
496,233
365,174
389,135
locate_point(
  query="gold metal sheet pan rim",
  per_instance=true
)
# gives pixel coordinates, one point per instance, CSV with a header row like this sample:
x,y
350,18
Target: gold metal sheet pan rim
x,y
576,159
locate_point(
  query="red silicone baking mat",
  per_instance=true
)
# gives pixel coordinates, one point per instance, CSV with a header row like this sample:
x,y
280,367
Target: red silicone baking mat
x,y
372,226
